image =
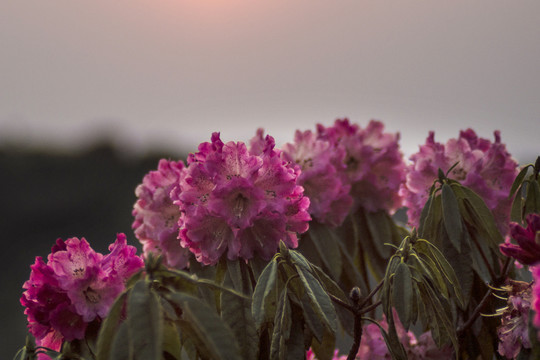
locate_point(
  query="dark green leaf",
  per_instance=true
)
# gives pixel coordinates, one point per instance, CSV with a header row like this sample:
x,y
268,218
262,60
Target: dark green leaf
x,y
109,328
321,303
532,202
515,213
263,290
171,341
282,328
324,350
326,244
452,217
402,294
206,327
478,214
424,214
121,348
295,343
236,313
446,269
518,181
380,229
145,322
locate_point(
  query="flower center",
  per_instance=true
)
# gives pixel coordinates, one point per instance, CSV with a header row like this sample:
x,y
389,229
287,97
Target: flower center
x,y
239,205
91,295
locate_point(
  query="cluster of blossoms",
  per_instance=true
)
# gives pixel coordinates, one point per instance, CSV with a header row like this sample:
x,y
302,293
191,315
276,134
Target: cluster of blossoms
x,y
75,287
485,167
373,346
157,219
240,201
345,167
513,332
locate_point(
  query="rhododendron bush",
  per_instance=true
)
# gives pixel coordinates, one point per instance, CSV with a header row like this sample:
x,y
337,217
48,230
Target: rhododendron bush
x,y
253,251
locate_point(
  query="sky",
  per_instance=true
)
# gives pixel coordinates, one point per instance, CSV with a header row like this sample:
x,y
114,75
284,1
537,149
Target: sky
x,y
168,73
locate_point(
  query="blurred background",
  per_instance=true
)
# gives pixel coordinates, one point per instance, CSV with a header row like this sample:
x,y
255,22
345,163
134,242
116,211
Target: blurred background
x,y
93,93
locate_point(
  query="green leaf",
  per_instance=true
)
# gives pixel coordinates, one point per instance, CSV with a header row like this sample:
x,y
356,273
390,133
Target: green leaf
x,y
446,269
452,217
532,201
515,213
145,322
265,288
519,180
320,302
205,328
402,294
172,348
324,349
326,244
295,343
478,215
109,328
121,348
282,328
236,313
380,228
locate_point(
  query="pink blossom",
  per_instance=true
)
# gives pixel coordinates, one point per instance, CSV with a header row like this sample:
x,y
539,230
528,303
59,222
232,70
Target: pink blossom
x,y
485,167
374,165
536,297
527,250
157,219
310,355
322,176
239,201
513,332
76,286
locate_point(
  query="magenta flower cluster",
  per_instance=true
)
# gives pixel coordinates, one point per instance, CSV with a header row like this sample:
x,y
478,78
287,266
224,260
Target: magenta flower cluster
x,y
238,201
513,332
484,166
76,286
157,219
373,346
345,167
527,249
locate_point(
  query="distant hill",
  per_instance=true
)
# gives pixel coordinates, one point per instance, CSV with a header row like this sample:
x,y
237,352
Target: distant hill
x,y
50,195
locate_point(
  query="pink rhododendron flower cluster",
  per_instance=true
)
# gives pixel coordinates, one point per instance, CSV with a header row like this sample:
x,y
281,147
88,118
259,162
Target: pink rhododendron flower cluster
x,y
75,286
527,250
536,297
484,166
323,176
514,332
239,201
373,346
157,219
374,163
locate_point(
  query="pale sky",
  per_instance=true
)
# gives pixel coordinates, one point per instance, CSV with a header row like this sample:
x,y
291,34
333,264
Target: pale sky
x,y
168,73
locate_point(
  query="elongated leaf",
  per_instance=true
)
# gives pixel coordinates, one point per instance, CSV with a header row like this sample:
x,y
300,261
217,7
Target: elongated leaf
x,y
380,228
121,348
519,180
326,244
295,343
266,285
402,294
145,322
515,213
325,349
478,214
452,217
207,328
347,322
282,328
172,348
236,313
424,215
109,328
446,269
532,202
321,303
